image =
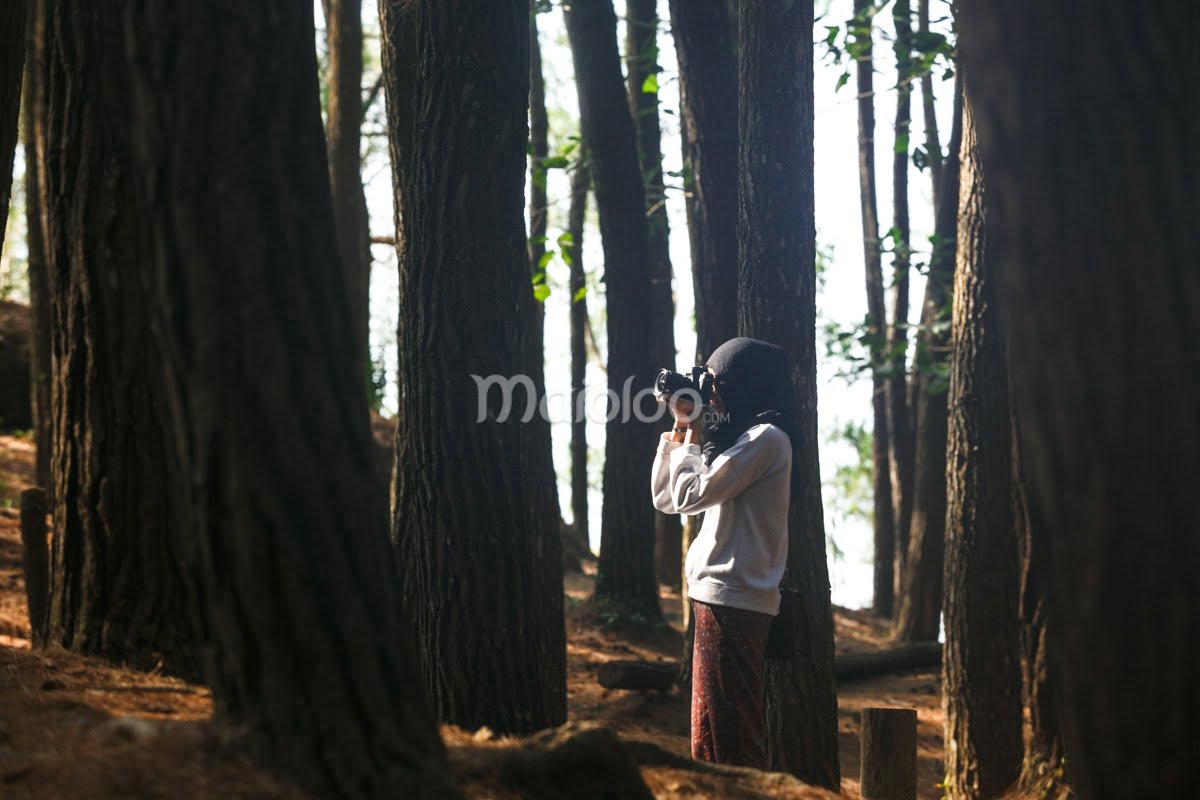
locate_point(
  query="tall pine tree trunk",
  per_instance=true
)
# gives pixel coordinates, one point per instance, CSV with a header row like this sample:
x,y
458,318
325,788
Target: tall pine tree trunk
x,y
626,579
933,145
480,557
982,686
13,29
343,134
311,664
899,417
777,274
581,181
920,607
117,584
39,302
641,57
882,516
1088,141
704,46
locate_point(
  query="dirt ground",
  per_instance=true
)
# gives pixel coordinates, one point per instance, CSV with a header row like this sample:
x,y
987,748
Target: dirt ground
x,y
76,727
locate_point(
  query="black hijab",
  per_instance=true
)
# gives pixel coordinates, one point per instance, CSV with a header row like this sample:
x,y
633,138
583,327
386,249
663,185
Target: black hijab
x,y
754,381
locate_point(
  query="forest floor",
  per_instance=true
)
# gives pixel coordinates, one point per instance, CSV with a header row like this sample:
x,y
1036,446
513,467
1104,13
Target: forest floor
x,y
76,727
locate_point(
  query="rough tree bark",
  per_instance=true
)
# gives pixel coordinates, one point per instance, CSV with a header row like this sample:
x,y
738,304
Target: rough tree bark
x,y
13,29
343,135
881,481
116,585
704,46
777,301
311,662
1095,255
641,58
899,415
626,578
982,676
920,606
479,552
581,181
542,451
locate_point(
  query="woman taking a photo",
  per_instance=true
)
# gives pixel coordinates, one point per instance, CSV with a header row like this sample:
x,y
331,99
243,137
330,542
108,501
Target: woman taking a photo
x,y
741,481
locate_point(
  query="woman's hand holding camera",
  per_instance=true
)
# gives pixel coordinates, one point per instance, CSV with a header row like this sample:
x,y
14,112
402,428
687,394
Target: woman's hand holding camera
x,y
686,418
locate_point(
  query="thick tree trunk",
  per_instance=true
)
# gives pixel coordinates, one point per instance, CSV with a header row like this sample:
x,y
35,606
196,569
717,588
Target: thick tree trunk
x,y
116,584
982,677
920,607
581,181
641,58
777,275
311,661
1043,747
881,481
542,450
704,46
479,551
899,416
40,362
626,579
343,135
13,29
1095,256
398,54
35,560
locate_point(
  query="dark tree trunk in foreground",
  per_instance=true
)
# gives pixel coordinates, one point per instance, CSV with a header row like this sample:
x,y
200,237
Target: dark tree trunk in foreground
x,y
13,30
311,660
881,481
479,552
641,57
777,272
704,45
982,676
581,181
542,450
899,417
920,604
1042,768
343,135
1095,255
626,578
39,302
116,588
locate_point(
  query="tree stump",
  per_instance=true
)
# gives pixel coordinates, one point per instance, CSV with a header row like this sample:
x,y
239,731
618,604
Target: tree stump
x,y
36,558
889,754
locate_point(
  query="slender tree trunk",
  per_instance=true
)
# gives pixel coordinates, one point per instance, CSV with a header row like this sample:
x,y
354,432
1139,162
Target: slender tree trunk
x,y
1095,254
343,134
777,275
882,516
982,686
641,57
899,416
117,586
311,662
39,300
581,181
492,654
542,452
13,29
626,577
933,144
920,607
704,45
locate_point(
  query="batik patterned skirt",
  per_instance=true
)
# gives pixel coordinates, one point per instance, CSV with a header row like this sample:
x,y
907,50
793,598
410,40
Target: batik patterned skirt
x,y
728,723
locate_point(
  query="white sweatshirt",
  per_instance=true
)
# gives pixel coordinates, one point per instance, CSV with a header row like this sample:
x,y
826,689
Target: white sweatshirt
x,y
740,553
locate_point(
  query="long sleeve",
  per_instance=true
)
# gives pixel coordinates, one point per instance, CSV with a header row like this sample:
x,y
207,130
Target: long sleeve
x,y
660,476
696,486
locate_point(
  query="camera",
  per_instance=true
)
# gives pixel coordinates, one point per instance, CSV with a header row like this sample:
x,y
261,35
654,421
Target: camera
x,y
700,384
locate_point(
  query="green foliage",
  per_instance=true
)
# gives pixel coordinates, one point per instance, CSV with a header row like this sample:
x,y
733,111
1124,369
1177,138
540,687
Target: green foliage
x,y
852,495
376,378
925,51
650,85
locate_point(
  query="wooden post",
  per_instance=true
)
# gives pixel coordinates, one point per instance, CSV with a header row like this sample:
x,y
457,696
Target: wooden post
x,y
36,559
889,754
